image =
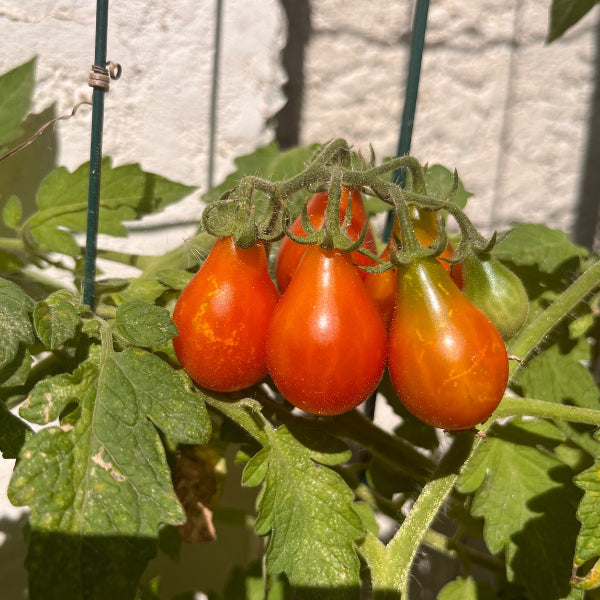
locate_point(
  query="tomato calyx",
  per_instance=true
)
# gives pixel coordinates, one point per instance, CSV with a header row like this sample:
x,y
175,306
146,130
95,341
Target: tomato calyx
x,y
237,217
333,233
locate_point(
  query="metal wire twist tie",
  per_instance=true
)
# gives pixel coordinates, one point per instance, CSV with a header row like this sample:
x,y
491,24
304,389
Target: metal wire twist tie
x,y
100,76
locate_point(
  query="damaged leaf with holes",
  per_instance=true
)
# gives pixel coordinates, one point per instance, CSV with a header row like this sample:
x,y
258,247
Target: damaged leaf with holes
x,y
102,470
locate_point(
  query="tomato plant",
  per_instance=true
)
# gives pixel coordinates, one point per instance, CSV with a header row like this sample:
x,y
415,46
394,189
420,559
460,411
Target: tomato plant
x,y
123,457
326,344
290,252
447,361
222,317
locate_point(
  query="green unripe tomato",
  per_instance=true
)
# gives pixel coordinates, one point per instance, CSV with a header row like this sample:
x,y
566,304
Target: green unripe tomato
x,y
496,291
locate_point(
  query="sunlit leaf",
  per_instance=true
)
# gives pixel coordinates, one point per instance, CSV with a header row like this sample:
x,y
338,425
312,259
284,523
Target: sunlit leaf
x,y
15,320
127,193
537,245
57,318
16,91
307,510
144,324
588,541
527,499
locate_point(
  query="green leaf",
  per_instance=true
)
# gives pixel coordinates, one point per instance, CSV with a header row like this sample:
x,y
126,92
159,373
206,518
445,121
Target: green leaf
x,y
466,589
439,181
127,193
15,321
247,583
13,433
69,567
12,212
57,318
588,541
557,377
144,324
527,500
141,289
307,509
565,13
268,162
15,373
16,91
537,245
175,279
367,516
321,447
9,262
103,472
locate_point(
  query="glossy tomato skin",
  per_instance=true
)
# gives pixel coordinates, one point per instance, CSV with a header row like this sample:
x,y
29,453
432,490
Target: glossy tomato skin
x,y
447,362
383,287
290,252
222,317
326,344
497,291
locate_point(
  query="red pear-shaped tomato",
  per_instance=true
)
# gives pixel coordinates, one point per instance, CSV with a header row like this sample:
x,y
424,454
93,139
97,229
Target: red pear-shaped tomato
x,y
222,317
326,344
290,253
447,362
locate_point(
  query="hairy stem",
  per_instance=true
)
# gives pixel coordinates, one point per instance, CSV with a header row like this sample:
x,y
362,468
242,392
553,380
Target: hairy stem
x,y
511,406
530,337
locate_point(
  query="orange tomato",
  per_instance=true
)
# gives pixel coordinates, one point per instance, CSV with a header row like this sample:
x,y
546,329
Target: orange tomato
x,y
326,344
222,317
447,362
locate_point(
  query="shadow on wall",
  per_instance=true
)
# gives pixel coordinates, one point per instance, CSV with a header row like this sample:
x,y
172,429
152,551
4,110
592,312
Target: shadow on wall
x,y
586,229
288,119
22,173
12,556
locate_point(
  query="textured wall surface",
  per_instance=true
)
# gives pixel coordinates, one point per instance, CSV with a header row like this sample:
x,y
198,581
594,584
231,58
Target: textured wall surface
x,y
497,103
157,114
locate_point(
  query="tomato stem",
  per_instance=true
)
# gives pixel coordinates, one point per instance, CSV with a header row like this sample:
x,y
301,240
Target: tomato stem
x,y
244,413
513,406
391,565
533,334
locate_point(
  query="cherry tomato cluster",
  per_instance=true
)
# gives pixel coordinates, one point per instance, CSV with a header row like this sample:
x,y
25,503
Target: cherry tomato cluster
x,y
326,340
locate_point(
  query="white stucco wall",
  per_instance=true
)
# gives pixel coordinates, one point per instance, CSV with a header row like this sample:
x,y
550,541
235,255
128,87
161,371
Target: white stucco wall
x,y
495,102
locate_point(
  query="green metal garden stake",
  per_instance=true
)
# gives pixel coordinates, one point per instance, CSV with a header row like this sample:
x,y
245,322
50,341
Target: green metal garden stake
x,y
410,97
99,81
408,118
